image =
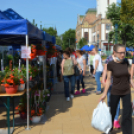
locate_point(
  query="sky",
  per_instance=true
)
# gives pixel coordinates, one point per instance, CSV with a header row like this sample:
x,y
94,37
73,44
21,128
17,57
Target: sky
x,y
61,14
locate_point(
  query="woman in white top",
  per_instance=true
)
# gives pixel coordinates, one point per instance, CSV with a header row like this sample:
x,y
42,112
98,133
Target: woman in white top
x,y
81,61
98,68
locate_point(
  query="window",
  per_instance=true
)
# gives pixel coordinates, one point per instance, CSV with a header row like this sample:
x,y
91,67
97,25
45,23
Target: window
x,y
108,26
86,36
106,36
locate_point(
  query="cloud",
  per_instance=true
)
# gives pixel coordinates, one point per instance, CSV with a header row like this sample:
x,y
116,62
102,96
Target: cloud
x,y
73,3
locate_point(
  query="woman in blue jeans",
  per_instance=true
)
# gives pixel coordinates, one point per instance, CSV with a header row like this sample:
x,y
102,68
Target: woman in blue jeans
x,y
116,121
81,63
98,67
67,69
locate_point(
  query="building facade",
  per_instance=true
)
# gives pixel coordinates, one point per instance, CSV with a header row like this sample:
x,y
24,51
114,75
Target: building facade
x,y
94,26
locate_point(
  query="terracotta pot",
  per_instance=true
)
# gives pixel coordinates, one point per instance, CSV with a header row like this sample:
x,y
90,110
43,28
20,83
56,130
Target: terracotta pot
x,y
11,89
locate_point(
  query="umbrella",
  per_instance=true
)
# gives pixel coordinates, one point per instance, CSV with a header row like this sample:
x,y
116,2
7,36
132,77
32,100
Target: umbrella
x,y
128,49
86,48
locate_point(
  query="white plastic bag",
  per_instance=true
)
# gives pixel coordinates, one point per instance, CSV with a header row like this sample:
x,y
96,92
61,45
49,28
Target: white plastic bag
x,y
102,119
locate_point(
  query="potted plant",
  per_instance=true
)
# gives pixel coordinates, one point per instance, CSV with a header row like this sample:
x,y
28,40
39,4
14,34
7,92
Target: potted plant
x,y
22,76
37,114
12,81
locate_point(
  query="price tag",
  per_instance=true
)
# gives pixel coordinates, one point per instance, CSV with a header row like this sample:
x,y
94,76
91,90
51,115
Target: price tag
x,y
25,52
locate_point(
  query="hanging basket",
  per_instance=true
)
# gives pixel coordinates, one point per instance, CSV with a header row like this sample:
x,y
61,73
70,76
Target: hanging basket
x,y
11,89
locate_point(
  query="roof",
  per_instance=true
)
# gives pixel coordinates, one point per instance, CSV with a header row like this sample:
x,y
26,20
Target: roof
x,y
91,10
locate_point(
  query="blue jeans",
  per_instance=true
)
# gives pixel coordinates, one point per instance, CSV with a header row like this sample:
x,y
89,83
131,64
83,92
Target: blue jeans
x,y
97,78
70,78
78,79
108,102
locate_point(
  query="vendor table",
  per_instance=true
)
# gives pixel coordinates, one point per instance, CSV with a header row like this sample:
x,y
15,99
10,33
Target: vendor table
x,y
8,96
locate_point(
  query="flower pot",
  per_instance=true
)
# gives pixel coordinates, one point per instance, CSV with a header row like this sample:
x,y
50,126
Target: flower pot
x,y
21,87
11,89
23,115
36,119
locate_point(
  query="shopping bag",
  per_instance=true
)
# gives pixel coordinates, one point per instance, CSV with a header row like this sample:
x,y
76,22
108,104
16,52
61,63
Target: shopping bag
x,y
101,119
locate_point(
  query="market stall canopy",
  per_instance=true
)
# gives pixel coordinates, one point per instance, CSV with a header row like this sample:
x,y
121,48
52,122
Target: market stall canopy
x,y
47,37
85,48
13,27
58,47
2,16
128,49
53,40
12,15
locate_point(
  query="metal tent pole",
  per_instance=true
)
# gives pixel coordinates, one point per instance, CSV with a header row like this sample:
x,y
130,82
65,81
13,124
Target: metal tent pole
x,y
27,79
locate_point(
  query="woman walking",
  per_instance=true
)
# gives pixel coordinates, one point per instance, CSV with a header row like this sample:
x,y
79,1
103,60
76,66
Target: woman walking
x,y
98,68
90,63
81,61
67,68
109,59
119,70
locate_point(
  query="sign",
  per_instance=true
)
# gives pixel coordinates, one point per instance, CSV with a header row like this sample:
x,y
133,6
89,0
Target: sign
x,y
25,52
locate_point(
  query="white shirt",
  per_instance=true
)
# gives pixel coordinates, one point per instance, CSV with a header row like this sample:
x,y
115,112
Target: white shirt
x,y
80,61
100,66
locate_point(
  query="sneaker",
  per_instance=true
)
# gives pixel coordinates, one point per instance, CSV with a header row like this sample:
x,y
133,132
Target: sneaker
x,y
68,99
83,91
77,92
72,96
98,92
116,124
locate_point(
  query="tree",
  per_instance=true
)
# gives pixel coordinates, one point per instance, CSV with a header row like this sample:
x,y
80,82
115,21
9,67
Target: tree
x,y
59,41
125,31
82,42
127,11
50,31
68,39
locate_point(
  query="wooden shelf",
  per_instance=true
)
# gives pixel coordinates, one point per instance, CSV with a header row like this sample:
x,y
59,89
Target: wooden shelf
x,y
19,93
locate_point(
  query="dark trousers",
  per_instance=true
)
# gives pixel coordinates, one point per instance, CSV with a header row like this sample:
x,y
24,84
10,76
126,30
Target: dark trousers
x,y
78,79
91,69
70,78
127,111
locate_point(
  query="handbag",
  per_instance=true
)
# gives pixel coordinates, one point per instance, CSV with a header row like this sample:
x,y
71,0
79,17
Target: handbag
x,y
76,70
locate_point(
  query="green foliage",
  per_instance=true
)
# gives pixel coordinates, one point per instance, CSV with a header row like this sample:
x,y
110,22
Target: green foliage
x,y
125,30
127,11
59,41
51,31
2,75
82,42
68,39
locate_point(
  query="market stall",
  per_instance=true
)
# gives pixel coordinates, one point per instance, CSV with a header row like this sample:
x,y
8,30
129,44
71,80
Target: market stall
x,y
20,32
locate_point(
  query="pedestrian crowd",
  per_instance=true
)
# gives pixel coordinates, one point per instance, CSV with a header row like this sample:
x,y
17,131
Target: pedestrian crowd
x,y
117,79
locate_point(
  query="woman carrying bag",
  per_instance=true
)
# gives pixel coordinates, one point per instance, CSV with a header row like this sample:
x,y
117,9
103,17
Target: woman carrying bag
x,y
67,69
119,70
